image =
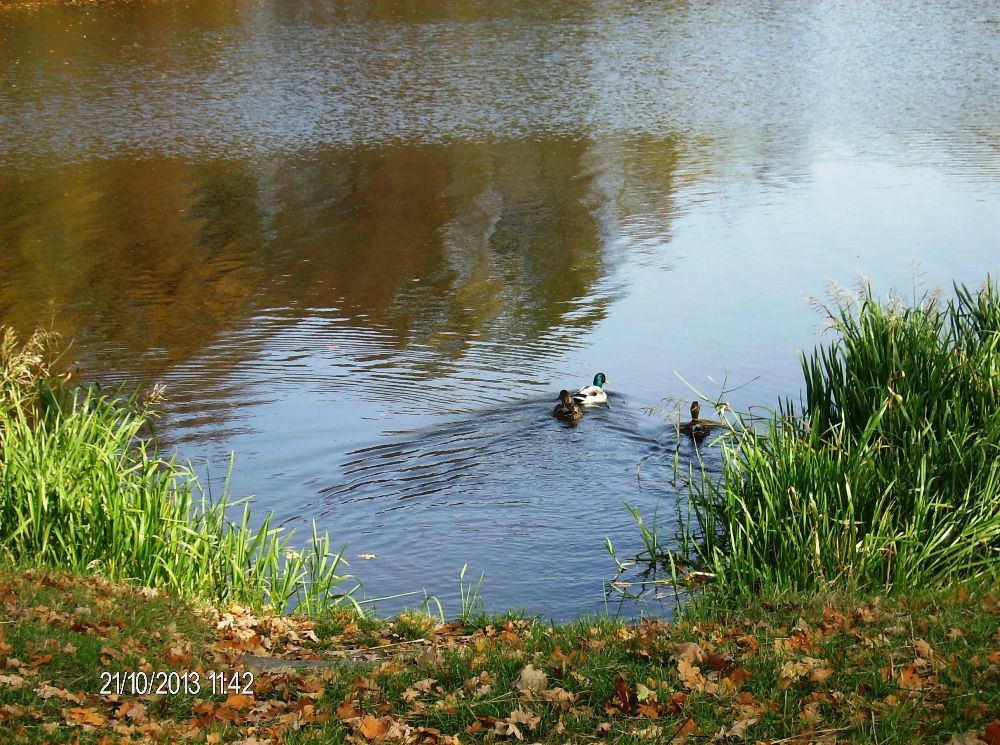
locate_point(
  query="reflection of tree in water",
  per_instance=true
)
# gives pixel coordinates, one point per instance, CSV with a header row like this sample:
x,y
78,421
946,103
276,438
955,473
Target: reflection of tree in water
x,y
436,248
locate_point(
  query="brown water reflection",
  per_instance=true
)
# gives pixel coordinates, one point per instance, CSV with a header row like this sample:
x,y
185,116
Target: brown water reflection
x,y
434,245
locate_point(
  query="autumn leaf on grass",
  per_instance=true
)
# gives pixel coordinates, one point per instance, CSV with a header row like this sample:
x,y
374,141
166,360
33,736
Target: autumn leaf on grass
x,y
969,738
560,696
909,678
238,701
478,686
749,641
690,727
689,651
179,654
522,716
372,728
738,730
818,670
348,710
923,649
84,717
992,732
739,676
132,710
419,688
621,690
49,691
13,681
810,713
532,680
693,679
506,728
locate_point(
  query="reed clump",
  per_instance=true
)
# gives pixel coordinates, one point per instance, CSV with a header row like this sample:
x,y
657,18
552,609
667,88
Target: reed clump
x,y
890,475
82,488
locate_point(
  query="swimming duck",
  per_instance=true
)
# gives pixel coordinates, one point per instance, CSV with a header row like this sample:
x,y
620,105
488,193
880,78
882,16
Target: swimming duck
x,y
696,428
592,394
567,410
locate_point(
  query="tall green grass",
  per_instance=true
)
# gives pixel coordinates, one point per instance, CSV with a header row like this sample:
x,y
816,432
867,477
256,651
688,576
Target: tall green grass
x,y
890,476
82,488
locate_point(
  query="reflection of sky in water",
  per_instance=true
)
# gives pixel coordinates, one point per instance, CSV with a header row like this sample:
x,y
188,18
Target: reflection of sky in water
x,y
364,248
716,300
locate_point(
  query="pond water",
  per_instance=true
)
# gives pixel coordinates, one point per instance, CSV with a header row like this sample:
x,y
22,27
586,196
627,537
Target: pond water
x,y
364,244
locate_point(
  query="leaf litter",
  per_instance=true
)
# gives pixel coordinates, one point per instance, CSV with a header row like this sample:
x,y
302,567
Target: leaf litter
x,y
786,675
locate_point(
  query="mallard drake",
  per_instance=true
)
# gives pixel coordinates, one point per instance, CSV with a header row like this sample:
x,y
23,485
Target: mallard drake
x,y
592,394
567,410
696,428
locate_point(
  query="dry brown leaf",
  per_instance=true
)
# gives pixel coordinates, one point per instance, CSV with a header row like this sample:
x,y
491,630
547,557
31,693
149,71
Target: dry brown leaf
x,y
560,696
740,675
49,691
690,727
689,651
969,738
132,710
923,649
13,681
506,729
621,690
84,717
372,728
533,680
237,701
992,732
523,716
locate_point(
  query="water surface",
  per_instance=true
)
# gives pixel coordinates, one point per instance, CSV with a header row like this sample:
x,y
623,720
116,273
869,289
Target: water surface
x,y
363,245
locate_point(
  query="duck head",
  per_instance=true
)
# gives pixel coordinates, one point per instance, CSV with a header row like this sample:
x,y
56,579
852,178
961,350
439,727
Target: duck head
x,y
695,410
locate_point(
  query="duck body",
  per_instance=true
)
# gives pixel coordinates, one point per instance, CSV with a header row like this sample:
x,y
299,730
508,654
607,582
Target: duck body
x,y
697,429
590,395
567,410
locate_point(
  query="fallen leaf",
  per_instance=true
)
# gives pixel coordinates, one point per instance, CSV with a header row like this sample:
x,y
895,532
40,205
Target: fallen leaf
x,y
132,710
49,691
372,728
969,738
506,729
923,649
13,681
689,651
84,717
689,727
522,716
533,680
621,689
992,732
238,701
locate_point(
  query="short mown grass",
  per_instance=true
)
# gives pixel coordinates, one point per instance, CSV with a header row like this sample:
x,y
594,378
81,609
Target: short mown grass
x,y
82,487
889,476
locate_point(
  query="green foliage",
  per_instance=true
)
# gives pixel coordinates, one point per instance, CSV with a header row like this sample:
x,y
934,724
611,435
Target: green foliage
x,y
82,489
892,474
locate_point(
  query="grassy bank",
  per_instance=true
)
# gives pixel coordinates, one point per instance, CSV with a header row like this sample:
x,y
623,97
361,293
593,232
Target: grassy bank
x,y
82,487
889,474
848,668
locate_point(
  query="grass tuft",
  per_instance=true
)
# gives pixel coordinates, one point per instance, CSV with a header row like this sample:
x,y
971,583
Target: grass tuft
x,y
890,477
82,488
